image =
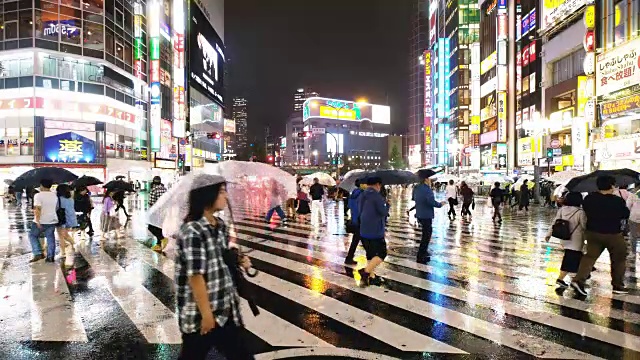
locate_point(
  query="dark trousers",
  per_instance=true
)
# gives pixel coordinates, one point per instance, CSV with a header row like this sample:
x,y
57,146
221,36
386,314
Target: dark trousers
x,y
596,243
524,205
87,218
156,231
427,230
355,240
452,208
225,339
465,208
121,206
496,211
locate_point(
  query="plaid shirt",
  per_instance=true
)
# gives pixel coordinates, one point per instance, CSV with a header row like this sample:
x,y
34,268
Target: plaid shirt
x,y
155,193
200,251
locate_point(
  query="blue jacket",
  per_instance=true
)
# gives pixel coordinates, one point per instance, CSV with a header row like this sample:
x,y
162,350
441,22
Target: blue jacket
x,y
425,202
373,213
70,212
352,203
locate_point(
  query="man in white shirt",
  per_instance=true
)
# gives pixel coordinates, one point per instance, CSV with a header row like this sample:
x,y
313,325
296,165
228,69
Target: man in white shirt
x,y
45,219
451,193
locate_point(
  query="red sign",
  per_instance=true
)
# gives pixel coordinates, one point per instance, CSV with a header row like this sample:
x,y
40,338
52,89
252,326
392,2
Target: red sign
x,y
532,51
589,41
525,56
155,71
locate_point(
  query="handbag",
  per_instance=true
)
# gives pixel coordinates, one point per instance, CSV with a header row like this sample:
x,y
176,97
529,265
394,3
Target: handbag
x,y
473,204
61,214
454,202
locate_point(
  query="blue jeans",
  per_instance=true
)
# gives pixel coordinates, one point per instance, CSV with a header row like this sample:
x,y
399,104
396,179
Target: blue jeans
x,y
49,234
277,209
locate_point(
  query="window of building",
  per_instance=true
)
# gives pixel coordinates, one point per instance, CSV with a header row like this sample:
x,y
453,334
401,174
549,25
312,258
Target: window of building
x,y
119,18
634,10
568,67
620,22
119,51
109,41
93,35
11,30
26,24
94,6
49,67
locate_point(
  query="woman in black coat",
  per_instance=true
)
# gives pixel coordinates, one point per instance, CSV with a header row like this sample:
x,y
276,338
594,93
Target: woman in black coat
x,y
524,196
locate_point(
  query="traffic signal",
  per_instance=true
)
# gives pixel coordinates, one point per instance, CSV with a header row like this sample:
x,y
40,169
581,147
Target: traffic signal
x,y
181,158
549,152
305,134
213,135
270,158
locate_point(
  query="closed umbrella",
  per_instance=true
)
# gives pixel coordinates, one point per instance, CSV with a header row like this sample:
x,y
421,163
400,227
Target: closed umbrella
x,y
32,178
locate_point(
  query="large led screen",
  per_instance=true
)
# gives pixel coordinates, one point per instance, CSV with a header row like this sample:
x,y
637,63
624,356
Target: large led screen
x,y
206,57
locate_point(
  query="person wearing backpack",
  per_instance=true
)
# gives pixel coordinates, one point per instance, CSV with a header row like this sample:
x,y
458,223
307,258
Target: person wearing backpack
x,y
569,226
354,225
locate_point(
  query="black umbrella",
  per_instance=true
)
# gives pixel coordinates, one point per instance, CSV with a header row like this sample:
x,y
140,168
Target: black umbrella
x,y
118,185
85,181
587,183
32,178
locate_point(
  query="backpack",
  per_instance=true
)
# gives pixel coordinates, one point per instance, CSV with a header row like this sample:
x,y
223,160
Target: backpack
x,y
61,214
561,228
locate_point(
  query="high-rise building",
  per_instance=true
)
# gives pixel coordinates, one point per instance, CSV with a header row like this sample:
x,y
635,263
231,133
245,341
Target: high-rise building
x,y
239,112
418,42
82,86
294,152
299,98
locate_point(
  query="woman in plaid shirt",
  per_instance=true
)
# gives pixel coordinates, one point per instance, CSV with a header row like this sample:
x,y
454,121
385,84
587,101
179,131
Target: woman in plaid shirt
x,y
208,302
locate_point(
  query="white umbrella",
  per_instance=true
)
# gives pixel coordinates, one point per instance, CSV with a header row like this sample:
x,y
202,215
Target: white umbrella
x,y
353,172
243,171
564,176
526,177
445,178
323,178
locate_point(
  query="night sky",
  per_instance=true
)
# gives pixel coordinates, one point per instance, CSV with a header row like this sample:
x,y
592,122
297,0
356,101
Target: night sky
x,y
339,48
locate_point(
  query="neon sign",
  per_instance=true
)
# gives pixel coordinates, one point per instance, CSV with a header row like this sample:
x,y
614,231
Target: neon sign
x,y
68,30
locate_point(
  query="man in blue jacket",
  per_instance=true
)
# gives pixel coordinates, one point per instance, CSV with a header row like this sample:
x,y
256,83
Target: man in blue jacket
x,y
373,212
425,205
354,224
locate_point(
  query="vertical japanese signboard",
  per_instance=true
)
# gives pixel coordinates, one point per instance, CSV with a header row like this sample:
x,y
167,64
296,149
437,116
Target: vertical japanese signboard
x,y
428,104
179,94
502,116
154,73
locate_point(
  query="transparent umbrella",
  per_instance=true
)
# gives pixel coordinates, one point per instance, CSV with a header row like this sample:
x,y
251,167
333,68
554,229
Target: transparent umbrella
x,y
251,174
323,178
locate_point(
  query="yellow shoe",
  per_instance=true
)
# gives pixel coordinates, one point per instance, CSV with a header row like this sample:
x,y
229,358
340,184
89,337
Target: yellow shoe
x,y
161,246
156,248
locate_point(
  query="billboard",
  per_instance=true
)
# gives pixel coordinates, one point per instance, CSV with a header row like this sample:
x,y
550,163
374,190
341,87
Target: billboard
x,y
502,116
428,102
69,146
206,58
619,68
554,11
323,108
229,126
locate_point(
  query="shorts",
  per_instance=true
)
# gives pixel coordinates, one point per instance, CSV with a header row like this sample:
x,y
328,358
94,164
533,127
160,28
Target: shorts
x,y
571,261
375,248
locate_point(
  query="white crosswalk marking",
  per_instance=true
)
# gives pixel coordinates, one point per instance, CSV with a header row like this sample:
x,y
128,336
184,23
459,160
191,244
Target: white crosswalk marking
x,y
475,287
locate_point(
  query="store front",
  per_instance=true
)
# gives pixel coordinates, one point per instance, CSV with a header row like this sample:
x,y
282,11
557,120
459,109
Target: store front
x,y
618,153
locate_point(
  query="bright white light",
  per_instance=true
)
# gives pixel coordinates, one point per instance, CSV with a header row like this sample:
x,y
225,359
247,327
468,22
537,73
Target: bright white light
x,y
315,152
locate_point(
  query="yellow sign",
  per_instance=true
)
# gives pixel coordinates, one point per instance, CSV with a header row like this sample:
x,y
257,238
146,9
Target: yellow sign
x,y
488,63
70,148
582,94
475,125
331,113
590,16
567,160
427,135
502,116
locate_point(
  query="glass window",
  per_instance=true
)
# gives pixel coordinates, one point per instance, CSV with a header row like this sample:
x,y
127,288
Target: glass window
x,y
610,23
128,54
72,3
93,35
92,73
13,141
95,6
634,10
97,18
11,68
26,24
620,22
11,30
109,41
69,70
26,141
48,6
47,25
69,29
26,67
119,20
49,67
109,9
119,51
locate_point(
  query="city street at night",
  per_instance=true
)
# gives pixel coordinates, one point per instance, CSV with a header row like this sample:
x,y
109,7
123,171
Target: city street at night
x,y
488,292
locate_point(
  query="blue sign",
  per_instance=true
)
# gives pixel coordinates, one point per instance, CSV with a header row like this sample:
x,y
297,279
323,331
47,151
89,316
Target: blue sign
x,y
502,4
532,20
68,28
525,24
69,147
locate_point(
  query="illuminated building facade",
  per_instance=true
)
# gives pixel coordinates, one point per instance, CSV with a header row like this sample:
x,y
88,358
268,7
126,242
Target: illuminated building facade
x,y
97,86
239,114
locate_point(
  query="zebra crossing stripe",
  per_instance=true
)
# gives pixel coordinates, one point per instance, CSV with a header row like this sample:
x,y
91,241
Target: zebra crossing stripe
x,y
278,333
54,315
156,323
15,278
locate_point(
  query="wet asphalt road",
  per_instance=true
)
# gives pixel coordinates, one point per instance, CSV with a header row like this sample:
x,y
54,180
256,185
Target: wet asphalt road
x,y
488,292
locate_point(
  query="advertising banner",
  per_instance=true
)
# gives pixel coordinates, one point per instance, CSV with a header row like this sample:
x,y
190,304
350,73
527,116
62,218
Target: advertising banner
x,y
317,107
502,116
428,101
206,57
69,146
555,11
618,107
619,68
229,126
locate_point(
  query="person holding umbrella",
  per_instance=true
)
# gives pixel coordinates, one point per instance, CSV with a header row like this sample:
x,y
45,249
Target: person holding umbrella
x,y
425,204
373,213
157,190
69,221
605,212
84,205
44,221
